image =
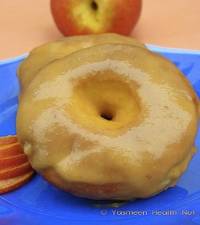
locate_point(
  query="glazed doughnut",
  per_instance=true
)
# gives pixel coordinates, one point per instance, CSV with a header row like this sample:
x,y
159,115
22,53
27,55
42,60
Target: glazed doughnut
x,y
51,51
109,122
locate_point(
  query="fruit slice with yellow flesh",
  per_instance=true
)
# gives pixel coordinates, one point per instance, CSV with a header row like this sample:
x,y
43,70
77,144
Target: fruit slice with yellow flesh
x,y
12,161
15,171
8,140
10,150
11,184
15,168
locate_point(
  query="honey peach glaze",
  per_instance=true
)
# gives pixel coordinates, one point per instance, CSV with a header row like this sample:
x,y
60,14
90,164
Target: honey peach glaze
x,y
51,51
111,121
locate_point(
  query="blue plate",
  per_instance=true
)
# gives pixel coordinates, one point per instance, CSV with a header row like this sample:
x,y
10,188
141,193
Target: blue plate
x,y
39,203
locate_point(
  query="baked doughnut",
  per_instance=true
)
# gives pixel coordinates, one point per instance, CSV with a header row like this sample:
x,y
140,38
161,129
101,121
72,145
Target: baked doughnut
x,y
51,51
109,122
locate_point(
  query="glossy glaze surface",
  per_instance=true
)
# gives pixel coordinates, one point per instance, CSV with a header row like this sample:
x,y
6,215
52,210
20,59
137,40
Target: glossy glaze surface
x,y
147,143
47,53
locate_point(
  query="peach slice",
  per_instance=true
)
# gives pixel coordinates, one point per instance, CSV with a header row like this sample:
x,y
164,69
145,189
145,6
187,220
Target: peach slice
x,y
12,149
12,161
13,183
8,140
15,171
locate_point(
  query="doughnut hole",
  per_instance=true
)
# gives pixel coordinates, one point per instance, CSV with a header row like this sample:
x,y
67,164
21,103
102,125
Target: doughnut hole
x,y
105,102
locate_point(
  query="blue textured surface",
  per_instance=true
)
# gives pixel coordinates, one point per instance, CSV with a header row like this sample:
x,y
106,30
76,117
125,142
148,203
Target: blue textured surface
x,y
39,203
